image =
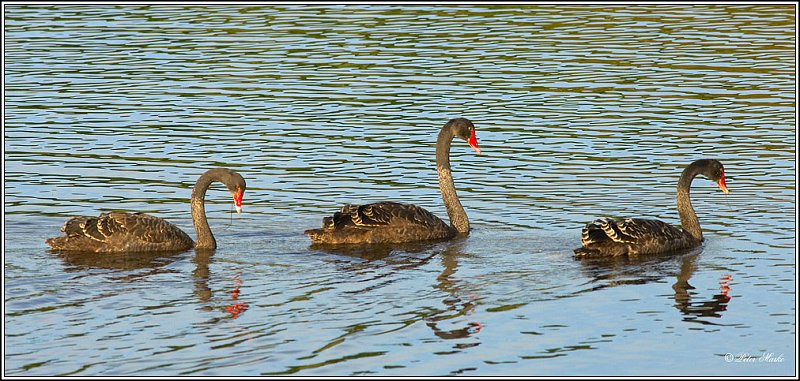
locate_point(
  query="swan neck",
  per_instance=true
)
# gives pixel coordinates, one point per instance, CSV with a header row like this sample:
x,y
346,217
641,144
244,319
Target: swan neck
x,y
689,221
205,239
456,213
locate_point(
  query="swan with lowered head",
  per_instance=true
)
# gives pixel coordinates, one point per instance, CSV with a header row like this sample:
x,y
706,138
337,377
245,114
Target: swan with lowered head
x,y
122,232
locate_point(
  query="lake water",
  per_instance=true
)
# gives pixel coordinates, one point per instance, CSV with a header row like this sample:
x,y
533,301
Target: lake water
x,y
582,111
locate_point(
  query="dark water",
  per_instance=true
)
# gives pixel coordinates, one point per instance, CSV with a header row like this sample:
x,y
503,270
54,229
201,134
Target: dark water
x,y
582,111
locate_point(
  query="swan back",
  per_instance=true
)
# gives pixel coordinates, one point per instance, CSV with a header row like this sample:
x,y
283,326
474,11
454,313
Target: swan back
x,y
381,222
120,232
632,236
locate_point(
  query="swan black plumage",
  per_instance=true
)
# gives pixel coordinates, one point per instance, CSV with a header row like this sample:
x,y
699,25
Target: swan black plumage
x,y
120,232
392,222
631,236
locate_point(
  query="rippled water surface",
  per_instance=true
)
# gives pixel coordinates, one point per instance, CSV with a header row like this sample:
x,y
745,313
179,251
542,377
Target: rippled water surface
x,y
582,112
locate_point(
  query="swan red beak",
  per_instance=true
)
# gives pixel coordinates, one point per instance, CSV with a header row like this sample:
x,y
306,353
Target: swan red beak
x,y
237,200
473,142
722,185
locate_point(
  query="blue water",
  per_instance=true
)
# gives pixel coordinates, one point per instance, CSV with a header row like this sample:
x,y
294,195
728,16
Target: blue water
x,y
582,111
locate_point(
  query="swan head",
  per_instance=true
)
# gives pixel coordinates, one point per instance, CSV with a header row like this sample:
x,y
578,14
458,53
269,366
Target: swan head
x,y
464,129
715,171
236,185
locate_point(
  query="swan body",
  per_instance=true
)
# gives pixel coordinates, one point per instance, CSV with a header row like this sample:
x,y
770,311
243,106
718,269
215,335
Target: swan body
x,y
392,222
632,236
381,222
121,232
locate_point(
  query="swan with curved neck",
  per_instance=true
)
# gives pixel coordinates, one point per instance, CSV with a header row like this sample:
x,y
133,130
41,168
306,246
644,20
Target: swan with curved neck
x,y
392,222
630,236
120,232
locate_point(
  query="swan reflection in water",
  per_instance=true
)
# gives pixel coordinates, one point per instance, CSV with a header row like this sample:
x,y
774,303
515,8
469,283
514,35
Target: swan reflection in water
x,y
202,259
134,266
84,260
457,303
616,271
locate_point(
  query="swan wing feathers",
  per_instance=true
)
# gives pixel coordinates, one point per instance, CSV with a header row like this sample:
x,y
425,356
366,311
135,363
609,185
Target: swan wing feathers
x,y
380,214
116,225
628,230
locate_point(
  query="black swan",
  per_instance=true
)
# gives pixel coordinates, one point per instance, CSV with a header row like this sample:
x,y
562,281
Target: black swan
x,y
630,236
392,222
122,232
